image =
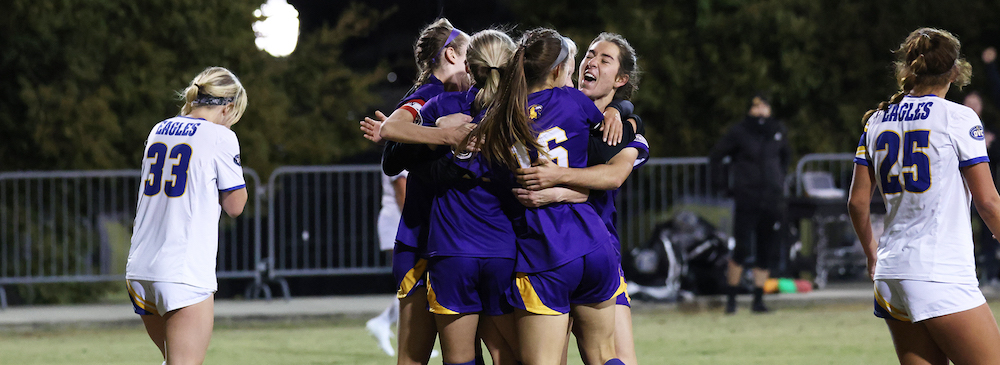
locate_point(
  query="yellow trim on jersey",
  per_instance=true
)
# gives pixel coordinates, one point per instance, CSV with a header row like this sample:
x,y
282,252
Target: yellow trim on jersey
x,y
411,278
140,301
622,289
532,302
893,311
432,302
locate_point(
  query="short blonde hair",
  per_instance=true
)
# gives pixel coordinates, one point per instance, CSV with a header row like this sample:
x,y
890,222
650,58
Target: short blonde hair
x,y
215,86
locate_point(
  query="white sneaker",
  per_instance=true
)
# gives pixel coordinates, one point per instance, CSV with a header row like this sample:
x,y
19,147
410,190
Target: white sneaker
x,y
380,329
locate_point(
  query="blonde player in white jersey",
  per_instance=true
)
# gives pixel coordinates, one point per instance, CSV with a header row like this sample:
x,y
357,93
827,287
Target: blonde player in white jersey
x,y
393,195
926,156
192,171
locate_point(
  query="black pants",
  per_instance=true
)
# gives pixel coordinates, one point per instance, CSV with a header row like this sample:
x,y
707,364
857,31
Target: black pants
x,y
757,230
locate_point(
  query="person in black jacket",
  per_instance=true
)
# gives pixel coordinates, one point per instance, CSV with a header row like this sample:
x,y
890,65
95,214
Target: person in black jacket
x,y
759,153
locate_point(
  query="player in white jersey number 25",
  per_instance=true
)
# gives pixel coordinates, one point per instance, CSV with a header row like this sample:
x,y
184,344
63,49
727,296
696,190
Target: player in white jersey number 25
x,y
925,154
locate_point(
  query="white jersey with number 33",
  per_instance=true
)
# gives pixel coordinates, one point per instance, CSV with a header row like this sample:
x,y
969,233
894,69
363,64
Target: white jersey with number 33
x,y
186,164
916,149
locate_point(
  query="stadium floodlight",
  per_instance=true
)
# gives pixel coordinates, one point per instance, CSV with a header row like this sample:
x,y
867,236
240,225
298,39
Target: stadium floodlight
x,y
277,28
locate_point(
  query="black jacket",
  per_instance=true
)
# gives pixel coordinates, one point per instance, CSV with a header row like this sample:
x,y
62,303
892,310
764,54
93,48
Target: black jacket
x,y
760,156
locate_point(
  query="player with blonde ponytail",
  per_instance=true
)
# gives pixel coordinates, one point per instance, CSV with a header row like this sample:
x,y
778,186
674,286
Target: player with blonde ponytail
x,y
192,173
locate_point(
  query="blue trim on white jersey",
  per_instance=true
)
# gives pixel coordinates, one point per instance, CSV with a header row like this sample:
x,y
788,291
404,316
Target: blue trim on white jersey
x,y
973,161
919,96
187,117
861,161
237,187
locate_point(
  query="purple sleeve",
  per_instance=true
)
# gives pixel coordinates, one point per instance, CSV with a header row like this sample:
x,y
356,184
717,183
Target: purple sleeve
x,y
642,146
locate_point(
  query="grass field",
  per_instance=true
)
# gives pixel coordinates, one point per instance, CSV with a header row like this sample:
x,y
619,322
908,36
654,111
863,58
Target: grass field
x,y
834,334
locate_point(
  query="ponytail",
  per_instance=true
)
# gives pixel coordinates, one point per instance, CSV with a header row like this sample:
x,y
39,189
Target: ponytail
x,y
506,122
928,57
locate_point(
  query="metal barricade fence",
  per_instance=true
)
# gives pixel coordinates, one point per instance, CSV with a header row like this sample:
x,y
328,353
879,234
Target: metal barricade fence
x,y
653,191
75,226
821,184
322,220
839,166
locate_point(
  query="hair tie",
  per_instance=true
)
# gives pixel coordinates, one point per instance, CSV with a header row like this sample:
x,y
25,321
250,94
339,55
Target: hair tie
x,y
563,53
494,68
451,36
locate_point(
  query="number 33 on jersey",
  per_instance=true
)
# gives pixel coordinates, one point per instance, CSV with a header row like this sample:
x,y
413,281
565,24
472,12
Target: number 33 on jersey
x,y
185,155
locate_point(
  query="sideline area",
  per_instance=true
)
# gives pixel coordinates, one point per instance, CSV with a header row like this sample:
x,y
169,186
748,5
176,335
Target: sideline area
x,y
27,318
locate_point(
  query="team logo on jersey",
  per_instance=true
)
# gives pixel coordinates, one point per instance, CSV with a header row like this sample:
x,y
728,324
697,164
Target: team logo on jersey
x,y
534,111
977,133
236,160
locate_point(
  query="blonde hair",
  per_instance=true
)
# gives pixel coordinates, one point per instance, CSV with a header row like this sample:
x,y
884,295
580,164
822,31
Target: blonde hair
x,y
927,57
506,121
488,51
215,83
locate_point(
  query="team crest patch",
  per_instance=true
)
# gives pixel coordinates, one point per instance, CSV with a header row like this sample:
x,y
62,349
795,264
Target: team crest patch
x,y
534,111
977,133
236,160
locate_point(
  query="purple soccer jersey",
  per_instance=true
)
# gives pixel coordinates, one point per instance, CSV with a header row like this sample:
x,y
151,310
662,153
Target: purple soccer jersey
x,y
559,233
604,201
412,230
467,216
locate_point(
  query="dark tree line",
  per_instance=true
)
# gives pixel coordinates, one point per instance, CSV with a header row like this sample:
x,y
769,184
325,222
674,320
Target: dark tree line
x,y
81,82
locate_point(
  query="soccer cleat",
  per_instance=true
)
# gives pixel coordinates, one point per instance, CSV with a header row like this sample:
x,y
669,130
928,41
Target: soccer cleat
x,y
379,329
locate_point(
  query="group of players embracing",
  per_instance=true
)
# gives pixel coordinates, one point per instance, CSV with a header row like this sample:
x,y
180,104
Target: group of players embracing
x,y
508,226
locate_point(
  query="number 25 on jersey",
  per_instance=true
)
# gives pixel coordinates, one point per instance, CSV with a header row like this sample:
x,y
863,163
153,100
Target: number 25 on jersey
x,y
173,187
915,166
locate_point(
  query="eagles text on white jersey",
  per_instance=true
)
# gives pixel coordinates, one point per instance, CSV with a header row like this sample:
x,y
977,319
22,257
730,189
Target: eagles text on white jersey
x,y
186,164
916,149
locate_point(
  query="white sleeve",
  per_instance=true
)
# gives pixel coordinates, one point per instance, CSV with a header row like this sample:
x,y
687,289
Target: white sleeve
x,y
227,163
968,137
403,174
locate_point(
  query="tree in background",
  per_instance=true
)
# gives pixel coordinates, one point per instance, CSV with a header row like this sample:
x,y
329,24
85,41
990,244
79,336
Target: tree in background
x,y
82,82
824,62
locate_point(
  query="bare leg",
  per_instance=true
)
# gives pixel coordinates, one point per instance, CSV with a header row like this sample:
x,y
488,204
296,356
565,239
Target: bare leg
x,y
624,342
596,330
417,330
969,337
542,338
188,331
156,329
914,345
733,273
760,276
501,351
565,354
458,336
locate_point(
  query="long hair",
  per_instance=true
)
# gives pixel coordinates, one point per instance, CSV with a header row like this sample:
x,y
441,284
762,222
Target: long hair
x,y
506,122
215,82
927,57
430,46
488,51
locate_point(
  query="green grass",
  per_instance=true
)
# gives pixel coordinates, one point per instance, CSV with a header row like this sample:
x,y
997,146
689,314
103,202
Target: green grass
x,y
835,334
